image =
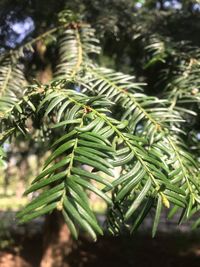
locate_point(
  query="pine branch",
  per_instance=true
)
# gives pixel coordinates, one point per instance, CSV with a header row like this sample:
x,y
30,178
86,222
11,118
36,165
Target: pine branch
x,y
158,131
75,46
13,119
143,138
67,177
12,84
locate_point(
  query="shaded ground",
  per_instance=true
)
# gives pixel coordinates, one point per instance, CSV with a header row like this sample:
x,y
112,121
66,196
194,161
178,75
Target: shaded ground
x,y
166,250
21,246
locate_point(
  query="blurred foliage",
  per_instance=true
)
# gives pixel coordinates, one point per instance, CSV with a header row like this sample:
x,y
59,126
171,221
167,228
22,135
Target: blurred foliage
x,y
6,239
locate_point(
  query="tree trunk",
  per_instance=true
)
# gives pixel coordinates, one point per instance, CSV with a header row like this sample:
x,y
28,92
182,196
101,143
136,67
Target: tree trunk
x,y
57,242
23,170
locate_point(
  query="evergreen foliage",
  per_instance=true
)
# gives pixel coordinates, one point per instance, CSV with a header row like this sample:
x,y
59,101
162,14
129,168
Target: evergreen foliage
x,y
94,116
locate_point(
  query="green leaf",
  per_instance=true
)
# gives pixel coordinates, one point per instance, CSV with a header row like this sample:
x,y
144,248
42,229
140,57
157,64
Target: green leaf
x,y
93,163
92,156
90,126
95,145
92,188
54,103
93,176
157,216
122,161
74,213
64,123
45,182
64,137
138,200
130,185
142,214
42,211
37,203
127,175
51,169
60,150
70,224
82,149
94,137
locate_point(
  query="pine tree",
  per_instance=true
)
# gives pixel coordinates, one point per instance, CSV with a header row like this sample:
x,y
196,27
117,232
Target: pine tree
x,y
90,115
